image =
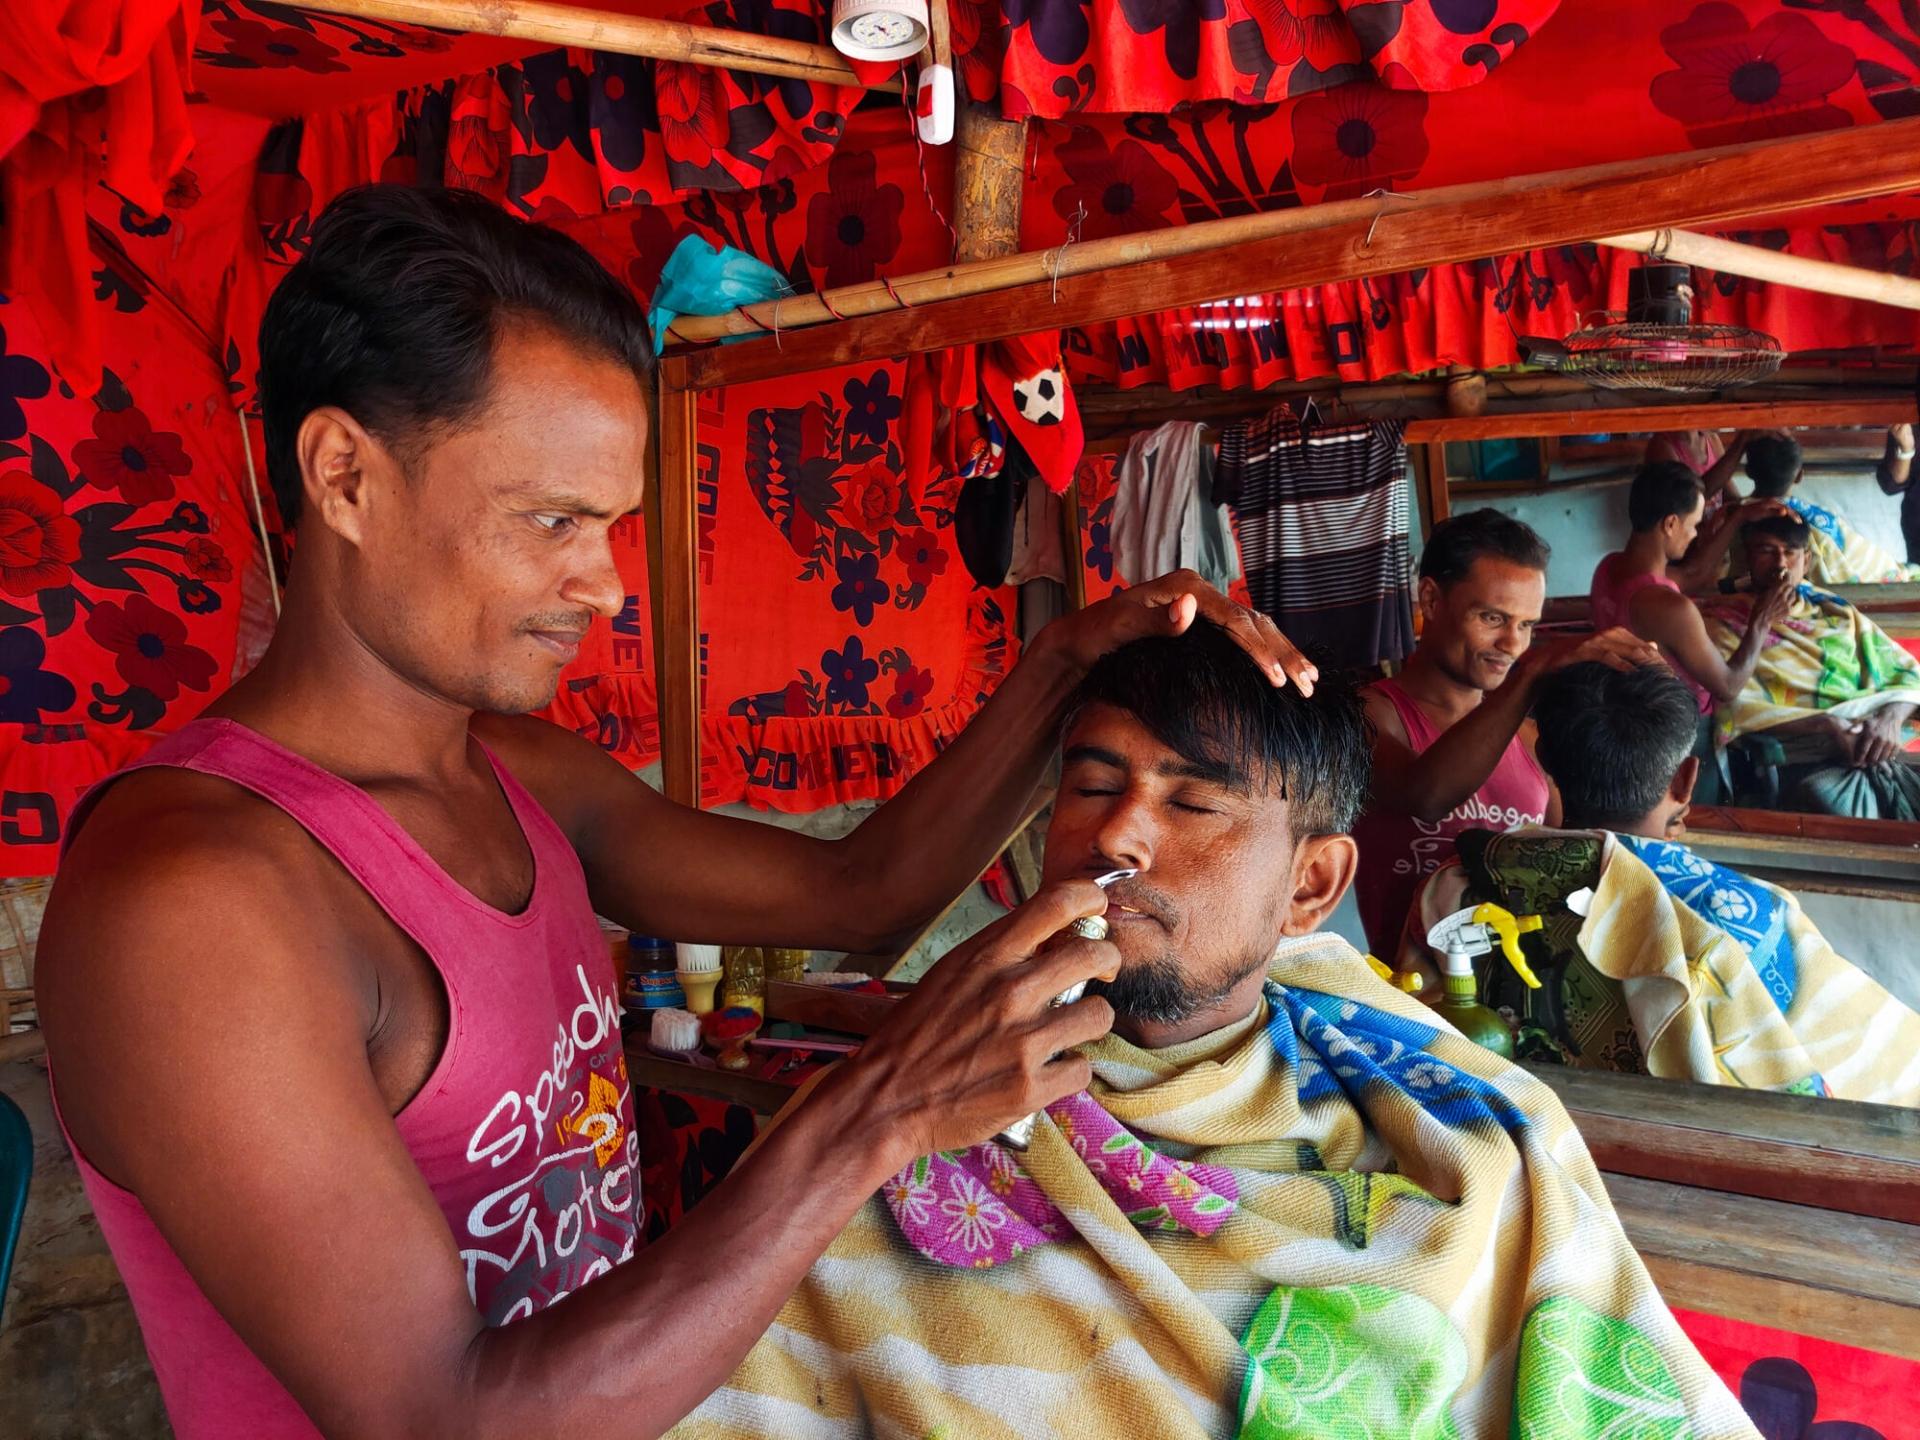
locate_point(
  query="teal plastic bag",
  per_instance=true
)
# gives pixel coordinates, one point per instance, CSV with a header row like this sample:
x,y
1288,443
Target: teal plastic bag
x,y
699,279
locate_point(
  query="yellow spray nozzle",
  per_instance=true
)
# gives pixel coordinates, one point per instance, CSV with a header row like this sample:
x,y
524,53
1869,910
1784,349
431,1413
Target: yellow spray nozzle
x,y
1409,983
1510,927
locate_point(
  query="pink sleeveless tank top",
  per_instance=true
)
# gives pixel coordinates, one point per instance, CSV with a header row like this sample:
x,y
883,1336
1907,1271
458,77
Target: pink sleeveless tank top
x,y
524,1132
1610,606
1397,851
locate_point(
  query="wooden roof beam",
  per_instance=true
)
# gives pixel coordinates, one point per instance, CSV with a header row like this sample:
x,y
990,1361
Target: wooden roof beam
x,y
1285,249
556,24
1775,267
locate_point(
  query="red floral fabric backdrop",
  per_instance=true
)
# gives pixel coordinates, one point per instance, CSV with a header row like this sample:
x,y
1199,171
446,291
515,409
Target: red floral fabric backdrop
x,y
1721,72
631,156
1473,315
842,643
123,541
1060,57
1796,1387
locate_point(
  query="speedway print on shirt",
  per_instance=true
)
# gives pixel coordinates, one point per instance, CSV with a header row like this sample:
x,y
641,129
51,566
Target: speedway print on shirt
x,y
562,1148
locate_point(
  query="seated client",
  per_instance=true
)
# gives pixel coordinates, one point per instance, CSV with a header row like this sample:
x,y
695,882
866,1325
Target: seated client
x,y
1837,553
1290,1203
1829,687
1668,963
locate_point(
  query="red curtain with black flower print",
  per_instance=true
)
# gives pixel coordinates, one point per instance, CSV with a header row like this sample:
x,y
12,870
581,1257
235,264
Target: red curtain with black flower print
x,y
1474,315
842,643
840,689
1061,57
1588,88
124,541
1803,1387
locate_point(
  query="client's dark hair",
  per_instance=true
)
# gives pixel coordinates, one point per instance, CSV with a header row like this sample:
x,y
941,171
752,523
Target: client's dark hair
x,y
1773,464
1790,528
1661,488
1457,542
1612,739
393,313
1204,699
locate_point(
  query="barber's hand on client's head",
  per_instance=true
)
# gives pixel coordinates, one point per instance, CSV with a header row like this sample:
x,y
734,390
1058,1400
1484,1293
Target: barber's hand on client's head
x,y
1167,606
1618,648
1756,507
978,1044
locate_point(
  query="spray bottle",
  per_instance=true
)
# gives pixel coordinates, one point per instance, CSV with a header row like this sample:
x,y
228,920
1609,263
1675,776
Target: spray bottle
x,y
1463,935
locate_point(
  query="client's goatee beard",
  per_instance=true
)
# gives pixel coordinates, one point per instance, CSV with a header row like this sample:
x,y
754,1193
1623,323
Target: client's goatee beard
x,y
1161,992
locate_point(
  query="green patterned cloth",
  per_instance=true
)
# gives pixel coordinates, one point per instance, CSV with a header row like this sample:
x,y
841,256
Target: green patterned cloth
x,y
1412,1242
1824,658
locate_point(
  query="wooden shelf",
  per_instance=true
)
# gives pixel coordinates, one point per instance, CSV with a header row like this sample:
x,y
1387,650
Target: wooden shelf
x,y
1839,1155
1804,1268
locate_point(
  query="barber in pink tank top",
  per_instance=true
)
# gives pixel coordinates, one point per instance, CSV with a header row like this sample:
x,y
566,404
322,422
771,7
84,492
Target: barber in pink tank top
x,y
332,1027
1673,552
1453,747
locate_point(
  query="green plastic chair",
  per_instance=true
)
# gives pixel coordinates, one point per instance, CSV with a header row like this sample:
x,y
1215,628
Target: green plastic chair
x,y
16,1168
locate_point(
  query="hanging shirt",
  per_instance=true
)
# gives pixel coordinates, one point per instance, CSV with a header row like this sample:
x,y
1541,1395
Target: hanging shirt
x,y
1398,851
1322,519
524,1132
1164,514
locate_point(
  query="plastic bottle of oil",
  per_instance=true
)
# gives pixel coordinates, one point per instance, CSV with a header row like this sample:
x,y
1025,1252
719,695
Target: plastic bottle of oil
x,y
746,977
1461,1005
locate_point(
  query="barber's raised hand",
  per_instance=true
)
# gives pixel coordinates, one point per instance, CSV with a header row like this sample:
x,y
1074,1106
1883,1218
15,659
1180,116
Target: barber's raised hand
x,y
1901,435
1755,507
1168,606
1618,648
977,1045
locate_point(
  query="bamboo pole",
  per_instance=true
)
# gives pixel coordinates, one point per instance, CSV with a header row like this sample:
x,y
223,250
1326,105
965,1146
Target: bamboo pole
x,y
1042,266
556,24
1755,262
983,277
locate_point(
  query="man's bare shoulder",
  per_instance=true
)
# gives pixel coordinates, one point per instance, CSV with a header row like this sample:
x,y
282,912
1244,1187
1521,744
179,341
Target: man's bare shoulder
x,y
572,778
1659,609
169,851
1382,715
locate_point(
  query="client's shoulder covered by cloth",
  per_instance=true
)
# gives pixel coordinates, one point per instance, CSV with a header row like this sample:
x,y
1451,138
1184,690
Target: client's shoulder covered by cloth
x,y
1825,657
1680,968
1337,1217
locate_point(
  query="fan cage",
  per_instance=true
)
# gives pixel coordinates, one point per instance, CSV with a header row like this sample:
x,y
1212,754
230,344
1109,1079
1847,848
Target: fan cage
x,y
1671,357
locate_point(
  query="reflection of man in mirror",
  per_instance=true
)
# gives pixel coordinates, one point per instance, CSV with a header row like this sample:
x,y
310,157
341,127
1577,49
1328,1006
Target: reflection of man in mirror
x,y
1452,746
1643,586
1710,461
1837,553
1733,984
1895,474
1832,693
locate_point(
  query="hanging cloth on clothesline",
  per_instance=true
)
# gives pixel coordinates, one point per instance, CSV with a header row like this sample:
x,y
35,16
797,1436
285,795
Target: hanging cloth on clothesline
x,y
1164,516
1322,520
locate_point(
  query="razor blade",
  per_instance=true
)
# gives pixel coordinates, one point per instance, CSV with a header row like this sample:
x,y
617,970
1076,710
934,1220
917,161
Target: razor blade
x,y
1019,1135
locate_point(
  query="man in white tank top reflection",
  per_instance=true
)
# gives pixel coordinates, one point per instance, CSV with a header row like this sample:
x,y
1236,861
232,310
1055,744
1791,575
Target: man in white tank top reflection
x,y
244,1038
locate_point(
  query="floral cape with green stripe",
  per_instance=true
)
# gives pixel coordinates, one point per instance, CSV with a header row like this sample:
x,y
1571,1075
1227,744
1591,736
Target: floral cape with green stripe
x,y
1824,657
1335,1218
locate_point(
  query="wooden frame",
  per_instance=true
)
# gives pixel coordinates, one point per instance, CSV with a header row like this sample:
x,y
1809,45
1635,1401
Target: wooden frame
x,y
1349,239
1434,227
1713,415
1427,440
